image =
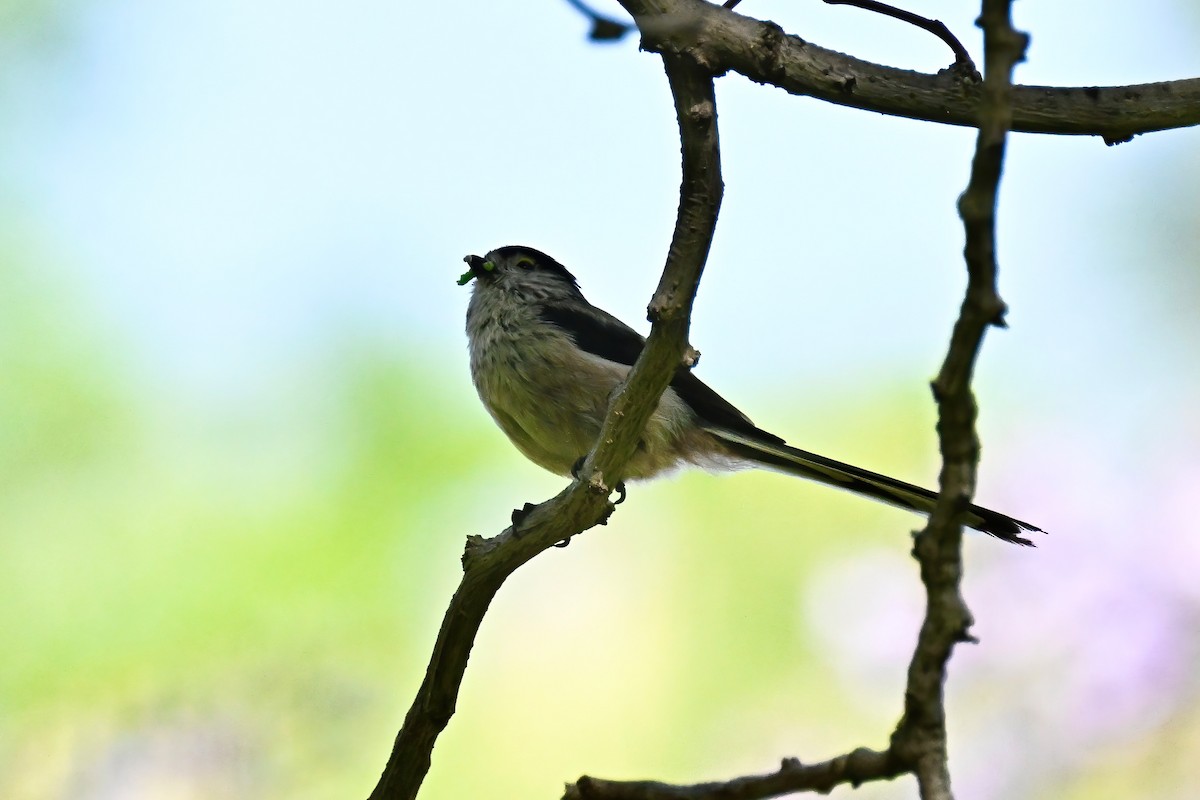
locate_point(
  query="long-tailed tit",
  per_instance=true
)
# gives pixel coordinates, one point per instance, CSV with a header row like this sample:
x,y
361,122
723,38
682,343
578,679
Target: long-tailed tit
x,y
545,362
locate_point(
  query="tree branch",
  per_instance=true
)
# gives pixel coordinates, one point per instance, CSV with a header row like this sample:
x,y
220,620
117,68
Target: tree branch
x,y
854,768
921,735
670,309
724,41
488,562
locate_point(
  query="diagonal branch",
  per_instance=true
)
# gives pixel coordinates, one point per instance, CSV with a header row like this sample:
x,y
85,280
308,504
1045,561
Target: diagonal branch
x,y
724,41
487,563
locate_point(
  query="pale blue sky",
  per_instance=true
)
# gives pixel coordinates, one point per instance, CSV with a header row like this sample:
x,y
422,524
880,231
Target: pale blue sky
x,y
235,184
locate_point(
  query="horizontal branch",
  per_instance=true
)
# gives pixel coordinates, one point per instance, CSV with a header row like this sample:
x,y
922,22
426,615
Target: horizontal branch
x,y
724,41
854,768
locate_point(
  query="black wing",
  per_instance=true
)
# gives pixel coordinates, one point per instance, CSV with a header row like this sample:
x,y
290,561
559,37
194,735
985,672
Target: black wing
x,y
597,333
606,336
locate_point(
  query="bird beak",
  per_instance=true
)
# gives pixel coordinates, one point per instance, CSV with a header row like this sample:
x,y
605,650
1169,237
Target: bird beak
x,y
478,269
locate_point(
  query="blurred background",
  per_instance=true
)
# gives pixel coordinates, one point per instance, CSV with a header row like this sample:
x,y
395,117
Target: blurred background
x,y
240,450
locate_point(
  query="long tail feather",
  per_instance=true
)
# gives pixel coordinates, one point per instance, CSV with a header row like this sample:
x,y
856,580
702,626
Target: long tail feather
x,y
776,455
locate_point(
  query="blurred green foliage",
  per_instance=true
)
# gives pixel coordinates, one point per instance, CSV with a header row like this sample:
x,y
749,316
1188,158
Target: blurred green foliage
x,y
240,602
157,564
216,601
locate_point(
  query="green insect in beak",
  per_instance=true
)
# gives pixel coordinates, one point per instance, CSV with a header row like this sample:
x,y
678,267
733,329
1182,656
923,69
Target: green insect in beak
x,y
477,267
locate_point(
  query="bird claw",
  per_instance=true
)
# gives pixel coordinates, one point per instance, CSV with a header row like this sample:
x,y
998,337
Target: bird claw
x,y
619,488
519,515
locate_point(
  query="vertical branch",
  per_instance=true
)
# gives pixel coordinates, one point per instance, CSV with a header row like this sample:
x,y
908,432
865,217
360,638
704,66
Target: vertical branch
x,y
921,736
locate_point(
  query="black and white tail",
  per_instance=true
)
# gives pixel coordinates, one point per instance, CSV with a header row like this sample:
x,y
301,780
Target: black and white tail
x,y
776,455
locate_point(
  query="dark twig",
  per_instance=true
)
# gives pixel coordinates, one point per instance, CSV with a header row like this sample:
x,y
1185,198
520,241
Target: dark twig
x,y
962,59
854,768
604,29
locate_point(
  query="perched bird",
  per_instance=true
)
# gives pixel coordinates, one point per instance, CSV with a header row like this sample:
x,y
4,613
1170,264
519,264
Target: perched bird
x,y
545,362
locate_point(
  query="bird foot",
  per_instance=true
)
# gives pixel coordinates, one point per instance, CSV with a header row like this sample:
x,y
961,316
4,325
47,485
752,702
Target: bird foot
x,y
519,515
619,488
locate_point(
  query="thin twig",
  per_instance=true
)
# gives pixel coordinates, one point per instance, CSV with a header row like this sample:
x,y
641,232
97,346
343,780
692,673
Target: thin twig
x,y
962,58
858,767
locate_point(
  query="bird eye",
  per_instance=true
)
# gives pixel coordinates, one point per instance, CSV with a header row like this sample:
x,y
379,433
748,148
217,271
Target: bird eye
x,y
524,262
